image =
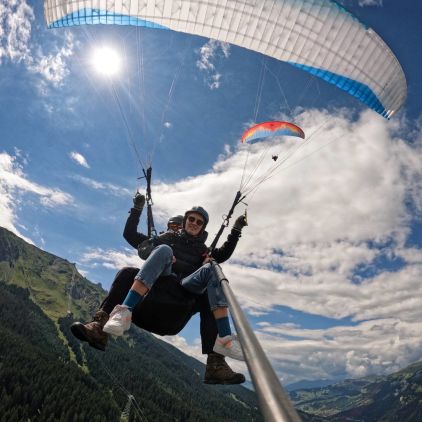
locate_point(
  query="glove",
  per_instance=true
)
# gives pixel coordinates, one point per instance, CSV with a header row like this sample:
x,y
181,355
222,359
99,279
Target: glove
x,y
240,223
138,201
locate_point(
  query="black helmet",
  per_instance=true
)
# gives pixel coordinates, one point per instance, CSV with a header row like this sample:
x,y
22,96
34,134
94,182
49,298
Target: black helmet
x,y
176,220
200,211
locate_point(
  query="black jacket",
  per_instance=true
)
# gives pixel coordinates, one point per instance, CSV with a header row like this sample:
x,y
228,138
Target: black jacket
x,y
190,251
130,232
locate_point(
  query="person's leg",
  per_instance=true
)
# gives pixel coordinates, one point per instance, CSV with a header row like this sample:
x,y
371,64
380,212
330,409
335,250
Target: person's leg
x,y
119,288
217,371
92,332
157,264
208,326
203,280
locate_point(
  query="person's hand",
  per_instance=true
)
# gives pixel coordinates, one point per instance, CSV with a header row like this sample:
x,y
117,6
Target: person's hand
x,y
138,201
240,222
207,259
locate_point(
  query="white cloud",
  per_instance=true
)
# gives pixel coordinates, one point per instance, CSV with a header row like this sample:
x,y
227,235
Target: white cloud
x,y
375,346
109,187
17,45
214,82
208,53
53,67
181,343
79,159
111,259
363,3
14,183
167,125
15,30
343,202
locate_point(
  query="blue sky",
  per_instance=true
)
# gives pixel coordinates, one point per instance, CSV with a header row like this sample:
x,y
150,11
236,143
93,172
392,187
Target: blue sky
x,y
328,270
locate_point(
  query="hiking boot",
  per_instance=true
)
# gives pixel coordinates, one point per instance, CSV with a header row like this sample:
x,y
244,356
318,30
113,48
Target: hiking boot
x,y
218,372
229,346
119,322
93,331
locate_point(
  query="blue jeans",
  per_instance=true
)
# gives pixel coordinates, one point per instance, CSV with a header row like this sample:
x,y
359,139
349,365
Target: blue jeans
x,y
159,264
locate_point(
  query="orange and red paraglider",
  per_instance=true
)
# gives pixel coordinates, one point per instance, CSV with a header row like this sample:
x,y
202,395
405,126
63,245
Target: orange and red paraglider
x,y
275,128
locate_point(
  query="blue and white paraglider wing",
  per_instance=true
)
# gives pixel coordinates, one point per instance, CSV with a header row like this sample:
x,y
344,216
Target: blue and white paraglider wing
x,y
318,36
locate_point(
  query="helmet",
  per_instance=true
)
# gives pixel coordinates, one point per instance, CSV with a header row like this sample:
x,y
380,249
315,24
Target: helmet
x,y
176,220
200,211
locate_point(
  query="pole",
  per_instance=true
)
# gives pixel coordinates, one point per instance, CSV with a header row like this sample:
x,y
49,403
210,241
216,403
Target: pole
x,y
150,218
274,402
238,198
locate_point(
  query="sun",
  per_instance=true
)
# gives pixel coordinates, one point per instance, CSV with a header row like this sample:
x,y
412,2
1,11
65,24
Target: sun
x,y
106,61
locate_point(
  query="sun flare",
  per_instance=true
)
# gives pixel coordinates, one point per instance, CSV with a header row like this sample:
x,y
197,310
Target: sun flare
x,y
106,61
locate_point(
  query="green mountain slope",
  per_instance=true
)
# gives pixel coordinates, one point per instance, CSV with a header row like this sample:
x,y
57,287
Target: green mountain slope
x,y
51,280
37,380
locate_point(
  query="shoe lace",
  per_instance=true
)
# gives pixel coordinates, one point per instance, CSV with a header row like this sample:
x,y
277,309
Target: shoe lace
x,y
100,317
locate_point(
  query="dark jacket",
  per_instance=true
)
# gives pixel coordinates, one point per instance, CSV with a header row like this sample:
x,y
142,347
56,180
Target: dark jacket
x,y
190,251
130,232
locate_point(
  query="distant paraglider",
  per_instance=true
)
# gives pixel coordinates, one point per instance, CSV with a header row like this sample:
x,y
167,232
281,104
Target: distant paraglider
x,y
266,129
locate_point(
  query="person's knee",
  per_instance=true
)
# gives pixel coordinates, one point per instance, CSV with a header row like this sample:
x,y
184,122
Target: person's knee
x,y
164,250
206,272
207,266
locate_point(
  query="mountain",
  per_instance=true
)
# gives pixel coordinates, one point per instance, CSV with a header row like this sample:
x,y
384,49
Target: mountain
x,y
305,384
395,397
47,375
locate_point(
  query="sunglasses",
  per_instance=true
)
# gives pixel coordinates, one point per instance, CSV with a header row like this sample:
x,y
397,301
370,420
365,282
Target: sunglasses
x,y
174,226
197,221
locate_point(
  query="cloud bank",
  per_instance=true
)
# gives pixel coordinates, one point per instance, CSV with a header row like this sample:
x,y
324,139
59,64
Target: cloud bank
x,y
327,236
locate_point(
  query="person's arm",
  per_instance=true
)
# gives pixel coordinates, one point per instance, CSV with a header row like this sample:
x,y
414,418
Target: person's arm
x,y
130,232
226,250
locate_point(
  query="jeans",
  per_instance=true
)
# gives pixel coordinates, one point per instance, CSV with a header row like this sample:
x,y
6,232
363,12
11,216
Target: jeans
x,y
203,279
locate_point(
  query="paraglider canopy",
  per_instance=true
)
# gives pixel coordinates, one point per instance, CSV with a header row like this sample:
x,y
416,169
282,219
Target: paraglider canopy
x,y
275,128
319,36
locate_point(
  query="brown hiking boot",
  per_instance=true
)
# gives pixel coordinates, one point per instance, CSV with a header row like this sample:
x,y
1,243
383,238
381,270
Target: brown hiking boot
x,y
219,372
93,331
